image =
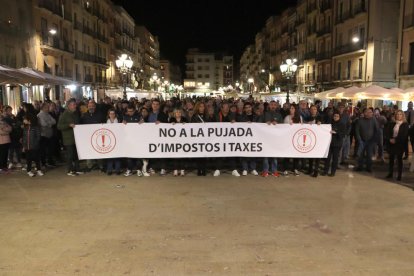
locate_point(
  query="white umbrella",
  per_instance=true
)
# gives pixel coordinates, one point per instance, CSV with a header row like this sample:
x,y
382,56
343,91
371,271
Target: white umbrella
x,y
329,94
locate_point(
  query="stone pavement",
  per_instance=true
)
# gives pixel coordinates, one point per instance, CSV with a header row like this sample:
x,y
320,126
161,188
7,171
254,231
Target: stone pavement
x,y
353,224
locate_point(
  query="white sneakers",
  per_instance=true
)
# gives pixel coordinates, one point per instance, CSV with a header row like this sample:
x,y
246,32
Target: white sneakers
x,y
128,173
296,173
244,173
38,173
254,172
146,174
216,173
175,173
235,173
182,173
163,172
139,173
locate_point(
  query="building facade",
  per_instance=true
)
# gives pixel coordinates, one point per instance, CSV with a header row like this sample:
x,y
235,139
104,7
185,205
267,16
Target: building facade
x,y
170,72
207,72
78,40
336,43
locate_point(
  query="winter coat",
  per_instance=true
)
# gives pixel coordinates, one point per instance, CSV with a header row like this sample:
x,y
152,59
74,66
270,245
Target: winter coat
x,y
338,137
68,117
31,137
5,130
46,122
400,141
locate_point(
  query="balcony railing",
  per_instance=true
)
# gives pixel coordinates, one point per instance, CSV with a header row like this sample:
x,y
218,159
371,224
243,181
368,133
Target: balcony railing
x,y
56,9
342,17
325,5
357,74
284,29
349,48
311,29
78,26
100,79
323,55
78,77
56,43
324,78
310,77
311,7
68,74
360,8
310,55
323,31
300,20
88,79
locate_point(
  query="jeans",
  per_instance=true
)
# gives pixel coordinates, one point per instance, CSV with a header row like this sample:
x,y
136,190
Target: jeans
x,y
379,149
273,164
113,163
33,155
334,156
4,150
72,158
15,150
345,148
399,164
46,150
248,163
365,152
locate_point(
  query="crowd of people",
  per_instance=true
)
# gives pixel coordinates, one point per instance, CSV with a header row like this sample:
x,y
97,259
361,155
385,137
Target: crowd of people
x,y
42,131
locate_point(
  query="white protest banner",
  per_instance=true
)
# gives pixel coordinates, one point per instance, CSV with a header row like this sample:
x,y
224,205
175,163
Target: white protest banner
x,y
150,140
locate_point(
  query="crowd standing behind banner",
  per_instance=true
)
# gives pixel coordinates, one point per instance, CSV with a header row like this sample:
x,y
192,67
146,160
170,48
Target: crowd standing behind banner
x,y
41,131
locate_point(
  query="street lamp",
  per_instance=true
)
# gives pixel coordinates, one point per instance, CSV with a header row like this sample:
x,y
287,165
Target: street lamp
x,y
124,65
288,70
250,81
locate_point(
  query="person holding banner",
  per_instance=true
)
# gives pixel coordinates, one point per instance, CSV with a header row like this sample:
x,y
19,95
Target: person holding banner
x,y
179,163
157,116
294,117
248,163
225,116
67,122
113,163
338,133
272,117
132,117
313,163
200,116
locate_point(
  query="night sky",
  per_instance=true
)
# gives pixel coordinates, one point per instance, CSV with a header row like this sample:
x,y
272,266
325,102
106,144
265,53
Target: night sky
x,y
211,25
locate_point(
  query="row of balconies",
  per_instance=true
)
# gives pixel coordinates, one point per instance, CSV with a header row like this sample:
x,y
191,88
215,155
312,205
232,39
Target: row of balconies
x,y
56,43
90,58
51,6
325,5
89,79
324,30
350,13
347,48
87,30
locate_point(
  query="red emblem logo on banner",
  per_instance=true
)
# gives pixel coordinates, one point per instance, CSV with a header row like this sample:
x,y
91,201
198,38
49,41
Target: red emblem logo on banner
x,y
304,140
103,141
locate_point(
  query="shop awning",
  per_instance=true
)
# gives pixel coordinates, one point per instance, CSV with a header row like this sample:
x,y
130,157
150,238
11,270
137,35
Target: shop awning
x,y
14,76
48,77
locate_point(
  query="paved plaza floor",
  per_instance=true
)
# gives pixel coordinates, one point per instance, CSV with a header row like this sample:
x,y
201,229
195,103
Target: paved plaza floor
x,y
352,224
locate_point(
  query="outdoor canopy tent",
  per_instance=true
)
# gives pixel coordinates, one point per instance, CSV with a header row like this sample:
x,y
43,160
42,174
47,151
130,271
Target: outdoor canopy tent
x,y
50,79
14,76
373,92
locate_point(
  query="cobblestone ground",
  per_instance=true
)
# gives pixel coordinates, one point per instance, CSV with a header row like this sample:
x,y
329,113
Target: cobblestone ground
x,y
352,224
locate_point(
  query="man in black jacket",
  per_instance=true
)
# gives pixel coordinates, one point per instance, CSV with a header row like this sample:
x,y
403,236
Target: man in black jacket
x,y
92,117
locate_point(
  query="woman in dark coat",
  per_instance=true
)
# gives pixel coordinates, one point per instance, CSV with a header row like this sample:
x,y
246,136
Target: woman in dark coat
x,y
200,116
397,137
338,133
